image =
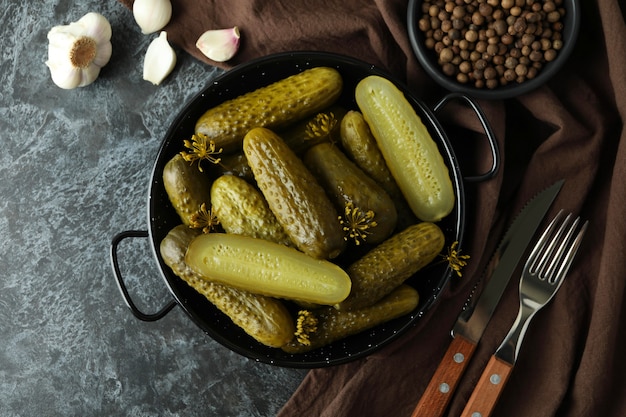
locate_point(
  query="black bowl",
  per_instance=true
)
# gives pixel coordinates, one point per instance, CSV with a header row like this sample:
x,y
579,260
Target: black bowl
x,y
429,282
428,58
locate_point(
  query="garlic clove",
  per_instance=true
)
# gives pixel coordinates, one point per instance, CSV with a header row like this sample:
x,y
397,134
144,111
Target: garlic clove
x,y
219,44
66,78
77,52
159,61
152,15
94,26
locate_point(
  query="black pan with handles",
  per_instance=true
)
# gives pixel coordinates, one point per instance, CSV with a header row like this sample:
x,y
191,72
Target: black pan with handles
x,y
162,217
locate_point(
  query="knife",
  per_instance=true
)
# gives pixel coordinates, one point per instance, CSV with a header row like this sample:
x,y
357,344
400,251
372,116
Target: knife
x,y
472,321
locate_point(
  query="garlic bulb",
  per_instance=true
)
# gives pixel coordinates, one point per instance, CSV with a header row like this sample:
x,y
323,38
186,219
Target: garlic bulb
x,y
159,61
220,44
152,15
77,52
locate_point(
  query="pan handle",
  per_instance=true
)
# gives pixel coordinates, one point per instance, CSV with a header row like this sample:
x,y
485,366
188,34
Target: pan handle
x,y
122,286
491,137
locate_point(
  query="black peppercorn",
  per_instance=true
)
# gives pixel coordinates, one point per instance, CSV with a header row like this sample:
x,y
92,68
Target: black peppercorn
x,y
492,42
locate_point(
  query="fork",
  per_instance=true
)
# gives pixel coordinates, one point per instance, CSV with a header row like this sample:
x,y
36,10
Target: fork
x,y
542,276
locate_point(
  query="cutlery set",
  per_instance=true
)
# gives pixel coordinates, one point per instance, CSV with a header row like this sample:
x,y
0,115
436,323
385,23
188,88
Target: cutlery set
x,y
542,275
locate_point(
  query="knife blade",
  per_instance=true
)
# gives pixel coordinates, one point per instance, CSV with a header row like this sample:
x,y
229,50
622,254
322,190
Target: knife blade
x,y
472,321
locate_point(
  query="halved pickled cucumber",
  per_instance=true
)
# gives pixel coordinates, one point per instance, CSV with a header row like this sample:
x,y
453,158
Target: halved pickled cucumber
x,y
274,106
333,325
268,268
391,263
409,151
266,319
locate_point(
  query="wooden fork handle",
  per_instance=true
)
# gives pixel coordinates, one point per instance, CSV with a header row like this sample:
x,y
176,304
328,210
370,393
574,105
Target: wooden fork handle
x,y
442,385
488,389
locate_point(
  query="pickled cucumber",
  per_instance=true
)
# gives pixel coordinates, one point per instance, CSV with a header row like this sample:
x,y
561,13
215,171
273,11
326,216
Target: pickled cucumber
x,y
322,127
294,195
409,151
333,325
266,319
242,210
274,106
347,184
360,146
187,188
268,268
391,263
236,164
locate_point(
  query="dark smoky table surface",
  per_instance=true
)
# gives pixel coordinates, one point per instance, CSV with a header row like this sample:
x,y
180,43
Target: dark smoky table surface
x,y
75,167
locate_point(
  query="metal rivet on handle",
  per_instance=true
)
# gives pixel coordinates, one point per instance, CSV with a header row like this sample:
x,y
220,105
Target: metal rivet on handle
x,y
444,388
495,379
458,357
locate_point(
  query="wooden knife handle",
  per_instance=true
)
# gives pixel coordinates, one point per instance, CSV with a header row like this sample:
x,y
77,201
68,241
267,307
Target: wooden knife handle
x,y
488,389
442,385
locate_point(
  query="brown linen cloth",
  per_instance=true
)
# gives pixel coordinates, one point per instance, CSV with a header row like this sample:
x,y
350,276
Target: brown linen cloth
x,y
571,363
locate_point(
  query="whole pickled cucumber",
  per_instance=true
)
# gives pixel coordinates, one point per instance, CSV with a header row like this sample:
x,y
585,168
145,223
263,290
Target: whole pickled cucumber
x,y
266,319
242,210
360,146
347,184
236,164
391,263
274,106
322,127
186,187
333,325
294,195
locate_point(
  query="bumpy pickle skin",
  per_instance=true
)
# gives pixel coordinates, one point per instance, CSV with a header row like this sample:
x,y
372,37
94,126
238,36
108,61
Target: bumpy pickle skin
x,y
242,210
187,188
268,268
274,106
389,264
359,144
345,183
294,195
333,325
321,127
409,151
236,164
265,319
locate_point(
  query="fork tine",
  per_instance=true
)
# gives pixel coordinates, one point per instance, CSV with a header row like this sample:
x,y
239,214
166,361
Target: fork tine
x,y
539,254
557,252
571,253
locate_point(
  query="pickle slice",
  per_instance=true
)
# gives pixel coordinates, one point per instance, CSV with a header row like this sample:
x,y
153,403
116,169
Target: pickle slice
x,y
409,151
267,268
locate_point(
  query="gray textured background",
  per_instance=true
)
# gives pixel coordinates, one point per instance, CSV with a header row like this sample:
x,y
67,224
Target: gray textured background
x,y
74,171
